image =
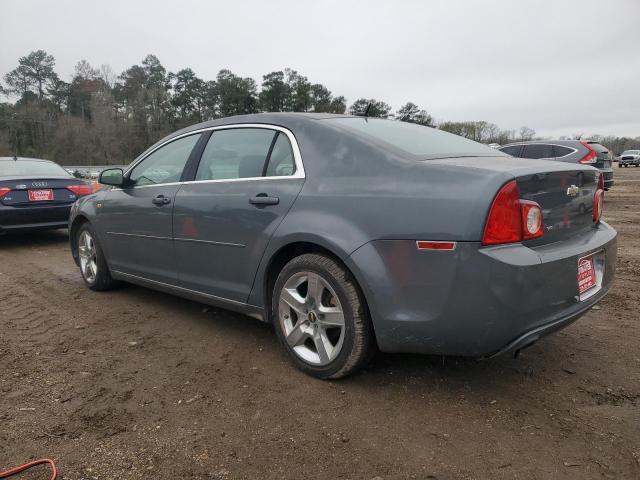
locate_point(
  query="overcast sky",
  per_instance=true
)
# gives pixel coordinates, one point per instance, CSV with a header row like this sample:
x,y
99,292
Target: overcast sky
x,y
559,66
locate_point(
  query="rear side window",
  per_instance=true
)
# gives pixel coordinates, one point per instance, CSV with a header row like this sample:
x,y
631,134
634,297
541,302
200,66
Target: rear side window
x,y
560,151
512,150
281,161
538,150
164,165
235,153
417,140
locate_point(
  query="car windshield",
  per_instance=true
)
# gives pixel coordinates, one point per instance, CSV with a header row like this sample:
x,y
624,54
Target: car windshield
x,y
417,140
631,152
597,147
22,168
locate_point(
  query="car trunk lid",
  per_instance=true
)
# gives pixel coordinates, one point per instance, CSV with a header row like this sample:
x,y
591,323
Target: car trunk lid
x,y
19,194
566,200
564,191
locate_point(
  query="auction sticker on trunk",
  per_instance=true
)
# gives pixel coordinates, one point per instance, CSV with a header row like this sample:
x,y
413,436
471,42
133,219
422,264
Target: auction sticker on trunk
x,y
586,274
40,195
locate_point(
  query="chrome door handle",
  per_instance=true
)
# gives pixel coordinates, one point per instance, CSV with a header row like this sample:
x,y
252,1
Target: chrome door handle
x,y
263,199
161,200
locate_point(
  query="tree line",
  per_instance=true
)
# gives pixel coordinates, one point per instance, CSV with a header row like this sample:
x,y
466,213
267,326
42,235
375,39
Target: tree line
x,y
100,118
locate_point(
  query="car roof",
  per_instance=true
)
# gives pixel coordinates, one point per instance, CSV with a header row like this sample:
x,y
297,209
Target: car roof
x,y
289,120
283,119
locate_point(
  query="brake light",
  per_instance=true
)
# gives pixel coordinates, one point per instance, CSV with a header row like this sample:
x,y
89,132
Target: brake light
x,y
4,191
80,189
598,200
511,219
590,157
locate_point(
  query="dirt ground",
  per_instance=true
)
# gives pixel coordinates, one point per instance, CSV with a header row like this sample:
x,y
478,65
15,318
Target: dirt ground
x,y
138,384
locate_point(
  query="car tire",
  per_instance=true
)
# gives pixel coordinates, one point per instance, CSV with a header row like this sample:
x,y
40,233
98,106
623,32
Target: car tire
x,y
93,266
321,317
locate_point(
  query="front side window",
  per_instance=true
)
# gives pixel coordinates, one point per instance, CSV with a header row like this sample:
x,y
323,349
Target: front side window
x,y
235,153
165,165
538,150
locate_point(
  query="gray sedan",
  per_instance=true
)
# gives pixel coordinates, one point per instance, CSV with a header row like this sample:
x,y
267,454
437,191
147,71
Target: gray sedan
x,y
352,234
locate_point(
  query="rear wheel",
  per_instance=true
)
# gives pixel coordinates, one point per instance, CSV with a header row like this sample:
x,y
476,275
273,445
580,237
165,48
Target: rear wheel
x,y
93,266
321,318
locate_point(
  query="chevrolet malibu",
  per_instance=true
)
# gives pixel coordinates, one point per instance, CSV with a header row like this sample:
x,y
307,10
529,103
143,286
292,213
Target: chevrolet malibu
x,y
352,234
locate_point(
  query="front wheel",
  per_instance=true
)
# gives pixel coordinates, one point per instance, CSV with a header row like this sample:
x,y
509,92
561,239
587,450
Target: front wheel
x,y
93,265
321,318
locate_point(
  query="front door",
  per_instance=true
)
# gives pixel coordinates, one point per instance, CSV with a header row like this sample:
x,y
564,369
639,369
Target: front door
x,y
135,221
246,181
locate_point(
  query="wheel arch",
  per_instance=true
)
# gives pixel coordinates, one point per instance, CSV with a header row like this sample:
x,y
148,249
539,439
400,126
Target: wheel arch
x,y
293,249
77,222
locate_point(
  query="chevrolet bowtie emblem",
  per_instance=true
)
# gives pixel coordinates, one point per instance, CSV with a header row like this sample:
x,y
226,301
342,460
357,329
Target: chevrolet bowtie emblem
x,y
573,191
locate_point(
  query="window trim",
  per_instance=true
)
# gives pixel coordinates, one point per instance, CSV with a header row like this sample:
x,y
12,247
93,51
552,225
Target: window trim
x,y
299,173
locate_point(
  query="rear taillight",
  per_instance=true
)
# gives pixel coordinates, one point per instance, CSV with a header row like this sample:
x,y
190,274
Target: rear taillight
x,y
80,189
4,191
512,219
598,200
590,157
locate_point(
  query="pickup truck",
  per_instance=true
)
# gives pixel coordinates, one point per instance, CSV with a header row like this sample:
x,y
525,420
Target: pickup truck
x,y
629,157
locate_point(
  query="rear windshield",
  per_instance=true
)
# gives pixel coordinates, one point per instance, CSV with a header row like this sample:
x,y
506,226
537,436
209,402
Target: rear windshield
x,y
424,142
22,168
598,148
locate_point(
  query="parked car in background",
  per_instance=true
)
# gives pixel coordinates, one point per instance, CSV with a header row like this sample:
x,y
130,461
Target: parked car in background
x,y
36,194
352,234
571,151
629,157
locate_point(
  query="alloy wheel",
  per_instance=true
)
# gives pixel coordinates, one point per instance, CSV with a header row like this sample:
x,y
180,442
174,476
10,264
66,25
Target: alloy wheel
x,y
88,256
312,318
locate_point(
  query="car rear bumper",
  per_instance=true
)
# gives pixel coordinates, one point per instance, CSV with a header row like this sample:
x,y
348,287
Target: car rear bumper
x,y
477,301
33,218
608,177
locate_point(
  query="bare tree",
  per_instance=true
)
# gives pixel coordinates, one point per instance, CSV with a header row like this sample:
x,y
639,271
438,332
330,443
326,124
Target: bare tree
x,y
107,75
526,133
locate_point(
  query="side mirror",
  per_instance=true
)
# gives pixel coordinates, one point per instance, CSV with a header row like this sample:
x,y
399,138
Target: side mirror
x,y
112,176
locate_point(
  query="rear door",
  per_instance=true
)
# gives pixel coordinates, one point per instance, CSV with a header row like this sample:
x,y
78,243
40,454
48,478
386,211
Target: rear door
x,y
135,221
246,181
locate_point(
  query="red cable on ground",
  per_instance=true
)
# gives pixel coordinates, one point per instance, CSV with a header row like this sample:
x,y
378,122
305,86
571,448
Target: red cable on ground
x,y
22,468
